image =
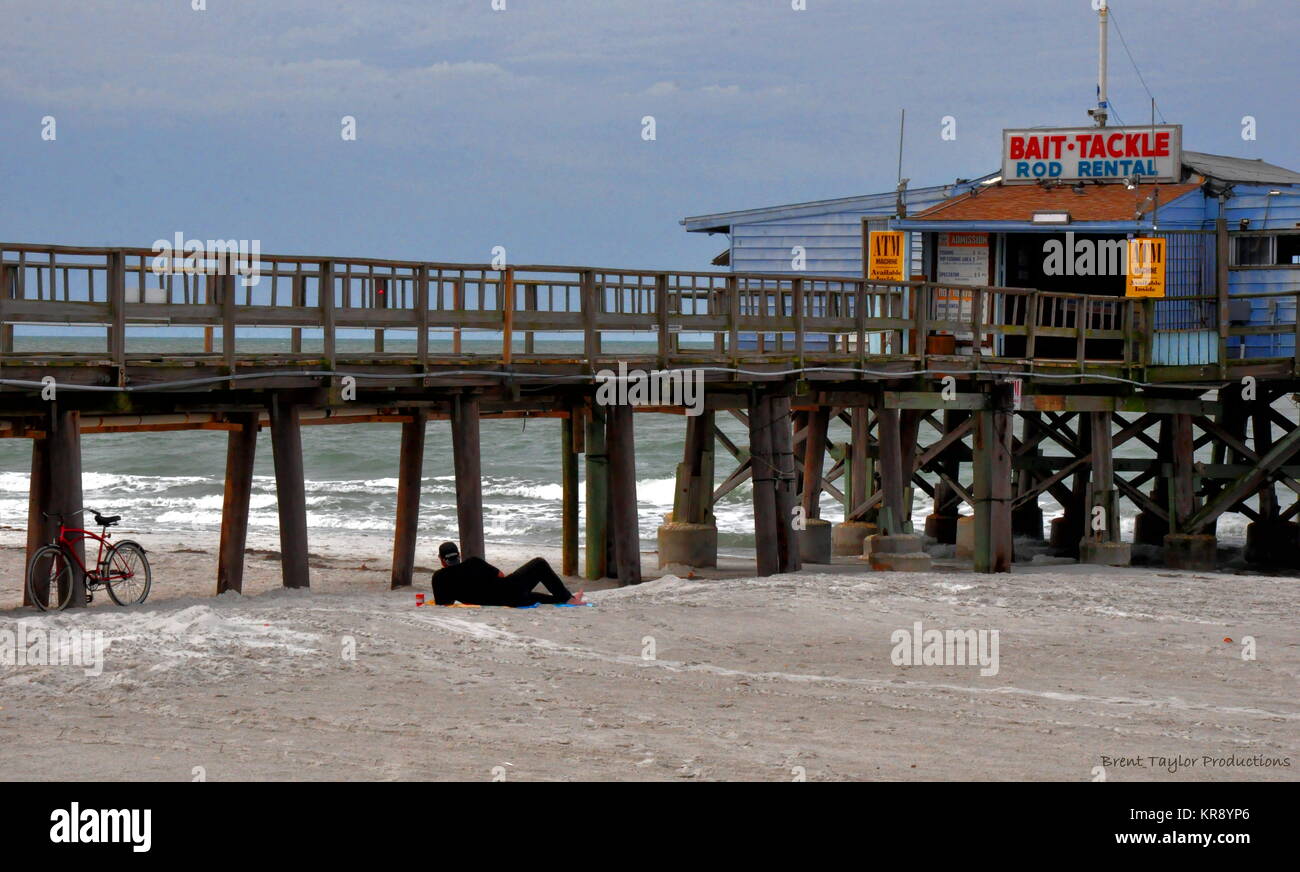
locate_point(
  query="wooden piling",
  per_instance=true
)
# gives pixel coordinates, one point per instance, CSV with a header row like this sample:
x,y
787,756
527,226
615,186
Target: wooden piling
x,y
814,459
1102,493
410,474
467,459
992,485
893,478
787,495
569,429
241,451
40,529
764,485
622,492
290,491
1182,490
597,495
861,472
65,487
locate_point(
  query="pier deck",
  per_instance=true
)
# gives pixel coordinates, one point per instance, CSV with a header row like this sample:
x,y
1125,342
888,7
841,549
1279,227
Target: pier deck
x,y
786,354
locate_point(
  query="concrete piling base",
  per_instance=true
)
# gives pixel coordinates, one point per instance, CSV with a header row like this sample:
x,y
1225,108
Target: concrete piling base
x,y
1275,543
942,528
966,536
847,537
1149,529
1105,553
1027,521
900,553
815,542
688,544
1186,551
1066,534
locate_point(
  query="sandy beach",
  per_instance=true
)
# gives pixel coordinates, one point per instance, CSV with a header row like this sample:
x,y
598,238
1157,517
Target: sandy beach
x,y
719,678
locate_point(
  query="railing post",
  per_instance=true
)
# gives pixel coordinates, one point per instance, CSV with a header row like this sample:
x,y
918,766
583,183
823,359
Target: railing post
x,y
507,313
1221,288
226,276
921,313
7,287
860,322
661,317
796,299
325,299
1032,309
116,278
590,310
422,314
1080,329
733,320
977,319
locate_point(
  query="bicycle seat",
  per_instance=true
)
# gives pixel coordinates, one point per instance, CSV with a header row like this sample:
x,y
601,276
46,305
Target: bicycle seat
x,y
107,521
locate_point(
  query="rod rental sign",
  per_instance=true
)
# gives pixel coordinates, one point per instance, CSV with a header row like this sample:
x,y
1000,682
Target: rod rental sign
x,y
1148,154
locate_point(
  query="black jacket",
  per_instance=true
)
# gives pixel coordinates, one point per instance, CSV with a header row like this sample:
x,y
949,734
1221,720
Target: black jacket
x,y
473,581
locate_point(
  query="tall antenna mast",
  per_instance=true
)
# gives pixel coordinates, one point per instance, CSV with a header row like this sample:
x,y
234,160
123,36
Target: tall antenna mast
x,y
1101,113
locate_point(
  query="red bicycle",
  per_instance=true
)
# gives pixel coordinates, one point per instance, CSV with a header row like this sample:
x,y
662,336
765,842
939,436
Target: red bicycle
x,y
122,567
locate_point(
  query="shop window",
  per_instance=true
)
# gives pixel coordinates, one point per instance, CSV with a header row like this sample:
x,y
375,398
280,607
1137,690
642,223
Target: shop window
x,y
1280,250
1253,251
1288,249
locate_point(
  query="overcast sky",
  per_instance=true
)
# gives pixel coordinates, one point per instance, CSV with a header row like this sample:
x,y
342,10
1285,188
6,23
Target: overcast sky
x,y
523,127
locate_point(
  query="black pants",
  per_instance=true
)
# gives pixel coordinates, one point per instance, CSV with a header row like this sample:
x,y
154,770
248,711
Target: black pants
x,y
520,583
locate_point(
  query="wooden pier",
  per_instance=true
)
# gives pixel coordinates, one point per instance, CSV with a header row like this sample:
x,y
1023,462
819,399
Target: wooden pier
x,y
824,349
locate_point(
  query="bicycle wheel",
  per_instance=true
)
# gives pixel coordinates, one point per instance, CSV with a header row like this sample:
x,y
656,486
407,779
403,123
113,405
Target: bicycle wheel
x,y
49,578
128,577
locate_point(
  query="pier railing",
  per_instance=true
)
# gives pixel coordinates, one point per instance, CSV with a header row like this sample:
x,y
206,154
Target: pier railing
x,y
692,316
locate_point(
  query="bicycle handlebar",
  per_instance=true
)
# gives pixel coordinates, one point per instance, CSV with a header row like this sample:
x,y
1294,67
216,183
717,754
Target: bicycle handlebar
x,y
65,514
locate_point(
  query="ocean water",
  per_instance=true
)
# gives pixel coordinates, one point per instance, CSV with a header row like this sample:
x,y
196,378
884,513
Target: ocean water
x,y
172,482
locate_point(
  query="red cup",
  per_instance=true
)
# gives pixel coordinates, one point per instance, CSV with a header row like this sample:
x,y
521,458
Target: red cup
x,y
419,599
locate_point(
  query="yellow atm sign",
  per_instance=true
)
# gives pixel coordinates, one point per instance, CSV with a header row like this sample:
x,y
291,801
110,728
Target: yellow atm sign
x,y
885,248
1146,268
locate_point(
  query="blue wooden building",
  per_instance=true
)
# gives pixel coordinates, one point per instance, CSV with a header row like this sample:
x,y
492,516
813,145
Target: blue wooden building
x,y
994,231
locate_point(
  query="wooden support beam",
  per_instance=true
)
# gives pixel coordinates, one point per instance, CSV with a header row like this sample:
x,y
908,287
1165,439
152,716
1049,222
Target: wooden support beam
x,y
860,474
241,451
1182,503
467,460
992,489
410,474
787,495
1103,500
626,530
1282,451
893,476
570,434
597,495
764,486
40,529
65,487
290,491
814,460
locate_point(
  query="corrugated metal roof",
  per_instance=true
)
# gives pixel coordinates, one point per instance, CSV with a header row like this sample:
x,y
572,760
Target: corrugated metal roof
x,y
914,198
1020,202
1239,169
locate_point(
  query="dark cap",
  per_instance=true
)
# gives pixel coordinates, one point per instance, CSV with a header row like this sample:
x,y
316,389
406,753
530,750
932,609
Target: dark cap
x,y
449,552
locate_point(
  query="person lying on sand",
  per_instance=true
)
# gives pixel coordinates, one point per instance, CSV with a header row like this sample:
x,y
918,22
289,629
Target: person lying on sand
x,y
476,582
